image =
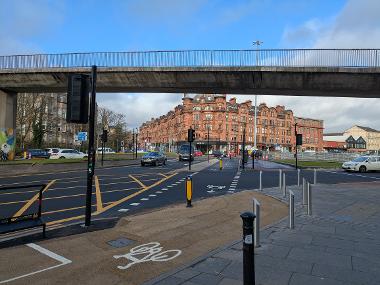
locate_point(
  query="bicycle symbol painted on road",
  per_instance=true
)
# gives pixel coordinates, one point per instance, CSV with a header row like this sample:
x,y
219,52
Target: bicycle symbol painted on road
x,y
152,252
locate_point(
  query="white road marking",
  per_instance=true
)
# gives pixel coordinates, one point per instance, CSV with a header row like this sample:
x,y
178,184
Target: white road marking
x,y
230,191
164,189
134,204
158,192
61,259
144,199
123,210
353,174
169,186
152,195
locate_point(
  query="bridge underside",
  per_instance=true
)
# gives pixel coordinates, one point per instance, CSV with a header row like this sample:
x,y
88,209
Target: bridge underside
x,y
324,82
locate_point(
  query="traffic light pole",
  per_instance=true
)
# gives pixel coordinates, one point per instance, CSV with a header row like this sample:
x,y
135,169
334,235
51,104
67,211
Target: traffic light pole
x,y
91,150
190,156
295,131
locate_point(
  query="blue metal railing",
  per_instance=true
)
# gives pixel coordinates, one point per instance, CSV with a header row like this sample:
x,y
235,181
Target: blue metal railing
x,y
364,58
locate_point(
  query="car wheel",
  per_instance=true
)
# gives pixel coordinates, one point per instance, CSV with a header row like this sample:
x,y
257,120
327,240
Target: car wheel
x,y
154,163
164,163
62,157
142,163
362,169
85,156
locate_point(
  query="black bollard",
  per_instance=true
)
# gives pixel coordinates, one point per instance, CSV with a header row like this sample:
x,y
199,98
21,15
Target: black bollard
x,y
253,162
248,248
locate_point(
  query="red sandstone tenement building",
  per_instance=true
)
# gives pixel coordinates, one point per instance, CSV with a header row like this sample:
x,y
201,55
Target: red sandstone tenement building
x,y
224,122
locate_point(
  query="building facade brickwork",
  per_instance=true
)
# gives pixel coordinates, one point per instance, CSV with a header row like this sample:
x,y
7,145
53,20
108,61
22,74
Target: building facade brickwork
x,y
222,124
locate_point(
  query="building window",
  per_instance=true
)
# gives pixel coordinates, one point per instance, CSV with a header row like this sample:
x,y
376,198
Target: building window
x,y
208,116
196,117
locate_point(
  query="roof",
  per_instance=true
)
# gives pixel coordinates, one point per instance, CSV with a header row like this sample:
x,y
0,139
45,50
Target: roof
x,y
367,129
333,134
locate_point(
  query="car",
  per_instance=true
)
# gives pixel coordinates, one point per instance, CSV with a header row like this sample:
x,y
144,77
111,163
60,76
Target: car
x,y
52,150
184,152
107,150
68,153
363,164
153,158
37,153
217,153
197,153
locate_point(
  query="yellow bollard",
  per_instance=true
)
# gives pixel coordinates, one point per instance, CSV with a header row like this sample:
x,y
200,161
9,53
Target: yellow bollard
x,y
220,164
189,190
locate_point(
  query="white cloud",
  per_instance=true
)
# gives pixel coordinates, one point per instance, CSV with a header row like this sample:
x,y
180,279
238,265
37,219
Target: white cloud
x,y
139,107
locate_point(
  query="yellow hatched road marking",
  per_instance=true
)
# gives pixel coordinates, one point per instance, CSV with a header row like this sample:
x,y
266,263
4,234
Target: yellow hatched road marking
x,y
137,181
99,204
32,200
113,204
163,175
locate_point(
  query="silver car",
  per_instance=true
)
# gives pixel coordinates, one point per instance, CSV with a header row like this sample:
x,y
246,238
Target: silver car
x,y
153,158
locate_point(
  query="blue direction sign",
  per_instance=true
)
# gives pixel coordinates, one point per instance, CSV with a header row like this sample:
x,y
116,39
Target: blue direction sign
x,y
82,136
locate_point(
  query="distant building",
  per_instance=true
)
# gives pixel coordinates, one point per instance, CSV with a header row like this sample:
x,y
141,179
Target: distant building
x,y
222,124
354,139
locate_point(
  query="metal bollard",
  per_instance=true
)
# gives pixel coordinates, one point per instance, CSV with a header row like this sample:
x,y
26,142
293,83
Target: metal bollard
x,y
248,249
298,176
315,176
256,223
291,209
304,192
283,185
189,190
220,164
309,203
261,180
280,179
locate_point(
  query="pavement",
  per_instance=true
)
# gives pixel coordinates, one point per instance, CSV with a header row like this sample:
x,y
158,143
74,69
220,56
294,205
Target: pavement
x,y
337,244
155,242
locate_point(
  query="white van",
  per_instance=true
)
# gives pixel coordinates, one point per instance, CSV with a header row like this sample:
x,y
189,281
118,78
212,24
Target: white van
x,y
363,164
107,150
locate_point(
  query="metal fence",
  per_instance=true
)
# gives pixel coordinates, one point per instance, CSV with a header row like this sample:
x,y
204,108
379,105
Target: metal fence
x,y
350,58
315,156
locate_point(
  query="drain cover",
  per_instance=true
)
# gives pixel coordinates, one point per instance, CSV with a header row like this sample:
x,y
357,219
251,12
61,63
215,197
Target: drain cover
x,y
120,242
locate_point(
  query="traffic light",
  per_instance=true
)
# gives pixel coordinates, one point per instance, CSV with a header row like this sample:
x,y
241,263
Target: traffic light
x,y
190,135
104,136
299,139
78,98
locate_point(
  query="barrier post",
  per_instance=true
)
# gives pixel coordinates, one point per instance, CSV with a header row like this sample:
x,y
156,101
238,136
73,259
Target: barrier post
x,y
315,176
189,190
280,179
248,249
256,223
304,193
283,185
261,180
298,176
220,164
291,209
309,205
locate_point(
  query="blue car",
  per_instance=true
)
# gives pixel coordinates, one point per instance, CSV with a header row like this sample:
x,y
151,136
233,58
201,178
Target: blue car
x,y
38,153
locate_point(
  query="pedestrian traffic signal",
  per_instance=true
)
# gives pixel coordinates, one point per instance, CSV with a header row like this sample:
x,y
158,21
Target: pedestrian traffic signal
x,y
78,98
190,135
299,139
104,136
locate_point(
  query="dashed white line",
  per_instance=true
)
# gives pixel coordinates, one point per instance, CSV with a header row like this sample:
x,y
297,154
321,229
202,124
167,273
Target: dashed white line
x,y
134,204
123,210
158,192
144,199
164,189
152,195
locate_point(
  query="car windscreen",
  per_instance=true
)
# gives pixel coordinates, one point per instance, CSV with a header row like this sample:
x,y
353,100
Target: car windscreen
x,y
360,159
185,148
152,154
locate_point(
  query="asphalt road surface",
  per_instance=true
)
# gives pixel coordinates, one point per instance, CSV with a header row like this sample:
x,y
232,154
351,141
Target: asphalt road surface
x,y
126,190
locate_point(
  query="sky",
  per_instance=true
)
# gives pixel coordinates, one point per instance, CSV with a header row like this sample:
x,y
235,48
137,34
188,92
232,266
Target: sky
x,y
59,26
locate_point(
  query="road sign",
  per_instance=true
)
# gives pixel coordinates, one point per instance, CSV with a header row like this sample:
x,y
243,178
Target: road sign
x,y
82,136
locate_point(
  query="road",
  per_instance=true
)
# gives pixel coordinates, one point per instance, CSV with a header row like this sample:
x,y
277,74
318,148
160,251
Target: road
x,y
126,190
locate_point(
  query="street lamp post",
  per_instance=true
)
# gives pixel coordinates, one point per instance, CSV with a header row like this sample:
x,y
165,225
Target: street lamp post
x,y
208,144
243,147
136,143
295,131
257,44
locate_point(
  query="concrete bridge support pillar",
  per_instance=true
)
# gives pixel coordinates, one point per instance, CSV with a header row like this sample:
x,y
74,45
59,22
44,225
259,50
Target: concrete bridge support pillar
x,y
8,108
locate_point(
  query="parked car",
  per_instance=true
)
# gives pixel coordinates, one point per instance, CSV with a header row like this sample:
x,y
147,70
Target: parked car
x,y
107,150
68,153
197,153
37,153
153,158
363,164
52,150
184,152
